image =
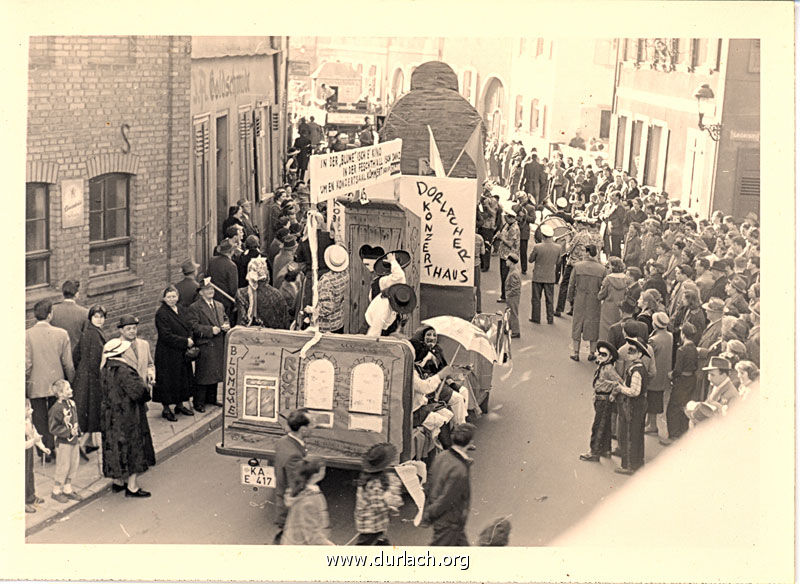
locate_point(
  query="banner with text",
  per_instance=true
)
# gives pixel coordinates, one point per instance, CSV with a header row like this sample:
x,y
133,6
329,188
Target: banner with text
x,y
349,172
446,207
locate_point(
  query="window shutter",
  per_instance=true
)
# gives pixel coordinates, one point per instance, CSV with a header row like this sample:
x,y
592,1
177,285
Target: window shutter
x,y
275,145
663,151
246,152
749,177
754,62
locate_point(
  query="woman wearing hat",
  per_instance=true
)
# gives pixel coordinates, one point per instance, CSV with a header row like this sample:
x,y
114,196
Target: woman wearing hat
x,y
332,287
88,393
660,343
606,383
127,444
632,407
378,494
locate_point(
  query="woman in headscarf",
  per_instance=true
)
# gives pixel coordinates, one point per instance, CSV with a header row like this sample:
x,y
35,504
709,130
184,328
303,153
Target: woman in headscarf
x,y
127,444
259,304
86,355
429,358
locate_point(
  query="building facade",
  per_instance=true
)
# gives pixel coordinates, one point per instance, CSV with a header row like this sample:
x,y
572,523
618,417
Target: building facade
x,y
655,131
238,127
107,169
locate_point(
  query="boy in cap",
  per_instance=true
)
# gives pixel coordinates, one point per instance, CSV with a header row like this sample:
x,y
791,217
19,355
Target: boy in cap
x,y
513,286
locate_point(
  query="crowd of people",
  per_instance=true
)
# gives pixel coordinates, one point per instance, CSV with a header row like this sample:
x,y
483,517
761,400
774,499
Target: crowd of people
x,y
668,302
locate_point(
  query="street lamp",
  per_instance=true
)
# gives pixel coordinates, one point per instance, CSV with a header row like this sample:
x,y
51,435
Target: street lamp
x,y
705,107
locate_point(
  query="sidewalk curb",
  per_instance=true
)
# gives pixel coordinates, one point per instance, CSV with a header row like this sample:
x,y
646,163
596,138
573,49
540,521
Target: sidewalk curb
x,y
173,446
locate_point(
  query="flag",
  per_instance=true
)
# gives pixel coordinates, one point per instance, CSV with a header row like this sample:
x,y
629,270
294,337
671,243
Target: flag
x,y
435,161
474,149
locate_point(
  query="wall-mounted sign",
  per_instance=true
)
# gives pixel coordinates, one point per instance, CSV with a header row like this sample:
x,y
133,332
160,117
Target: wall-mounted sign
x,y
71,203
299,68
744,136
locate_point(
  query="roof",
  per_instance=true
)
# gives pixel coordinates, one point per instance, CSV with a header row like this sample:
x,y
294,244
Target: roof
x,y
208,47
336,71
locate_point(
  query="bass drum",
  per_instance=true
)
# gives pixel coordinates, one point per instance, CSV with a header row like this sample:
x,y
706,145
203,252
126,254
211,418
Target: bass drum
x,y
563,232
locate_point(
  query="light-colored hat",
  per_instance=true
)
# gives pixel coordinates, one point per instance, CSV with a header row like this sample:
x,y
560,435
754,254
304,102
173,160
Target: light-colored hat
x,y
660,320
718,363
336,258
546,231
257,270
714,304
561,202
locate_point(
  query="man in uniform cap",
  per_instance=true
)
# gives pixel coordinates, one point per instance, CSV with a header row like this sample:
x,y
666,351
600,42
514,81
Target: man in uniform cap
x,y
544,258
188,287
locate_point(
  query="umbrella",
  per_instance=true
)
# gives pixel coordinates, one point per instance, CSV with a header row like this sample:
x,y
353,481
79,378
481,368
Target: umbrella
x,y
465,333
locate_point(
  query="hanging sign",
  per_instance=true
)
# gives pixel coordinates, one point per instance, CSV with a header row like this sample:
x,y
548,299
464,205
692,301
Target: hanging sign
x,y
446,207
349,172
71,203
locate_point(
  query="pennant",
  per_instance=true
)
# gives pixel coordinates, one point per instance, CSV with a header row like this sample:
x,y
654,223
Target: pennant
x,y
474,149
435,161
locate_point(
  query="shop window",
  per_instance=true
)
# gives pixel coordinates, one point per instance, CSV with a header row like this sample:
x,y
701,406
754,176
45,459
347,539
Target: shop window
x,y
109,234
318,388
260,398
37,235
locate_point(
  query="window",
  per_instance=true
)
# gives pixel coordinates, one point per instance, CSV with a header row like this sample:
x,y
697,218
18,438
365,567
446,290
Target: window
x,y
260,398
634,50
636,146
518,112
466,86
651,156
534,122
318,388
37,235
699,52
619,155
366,397
109,240
605,124
754,61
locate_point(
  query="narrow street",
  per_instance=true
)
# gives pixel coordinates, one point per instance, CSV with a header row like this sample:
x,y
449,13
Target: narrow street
x,y
526,465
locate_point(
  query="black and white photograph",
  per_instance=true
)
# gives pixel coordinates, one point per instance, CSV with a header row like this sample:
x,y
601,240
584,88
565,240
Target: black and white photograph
x,y
365,285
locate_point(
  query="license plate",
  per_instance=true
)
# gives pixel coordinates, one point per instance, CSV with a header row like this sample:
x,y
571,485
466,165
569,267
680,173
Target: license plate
x,y
258,476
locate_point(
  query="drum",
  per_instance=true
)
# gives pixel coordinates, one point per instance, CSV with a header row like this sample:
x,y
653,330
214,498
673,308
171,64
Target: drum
x,y
562,231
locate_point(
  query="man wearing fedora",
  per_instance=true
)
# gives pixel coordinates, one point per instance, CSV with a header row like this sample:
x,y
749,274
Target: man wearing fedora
x,y
378,494
224,275
658,387
188,287
605,383
209,324
332,287
385,312
290,450
447,501
723,391
544,258
719,269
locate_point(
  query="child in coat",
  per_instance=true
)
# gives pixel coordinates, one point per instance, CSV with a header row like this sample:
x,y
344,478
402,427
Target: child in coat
x,y
308,522
32,438
606,386
63,423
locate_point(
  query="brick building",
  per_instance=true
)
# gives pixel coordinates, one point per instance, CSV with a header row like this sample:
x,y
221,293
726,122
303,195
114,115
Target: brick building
x,y
107,175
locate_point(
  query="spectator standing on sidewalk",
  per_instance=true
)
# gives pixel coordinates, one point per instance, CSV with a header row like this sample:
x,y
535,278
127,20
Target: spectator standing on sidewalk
x,y
69,315
63,422
48,358
32,438
209,324
448,497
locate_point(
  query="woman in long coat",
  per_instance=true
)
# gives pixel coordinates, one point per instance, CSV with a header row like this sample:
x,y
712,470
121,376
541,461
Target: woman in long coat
x,y
612,293
174,382
582,294
86,355
127,444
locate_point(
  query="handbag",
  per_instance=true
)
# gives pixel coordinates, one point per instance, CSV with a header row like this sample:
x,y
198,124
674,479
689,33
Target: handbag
x,y
192,353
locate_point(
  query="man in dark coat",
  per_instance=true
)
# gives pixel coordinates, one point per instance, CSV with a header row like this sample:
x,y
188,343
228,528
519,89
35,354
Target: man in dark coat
x,y
544,257
627,326
69,315
188,287
290,450
448,491
303,146
534,179
127,444
223,274
616,225
209,324
250,228
718,270
656,281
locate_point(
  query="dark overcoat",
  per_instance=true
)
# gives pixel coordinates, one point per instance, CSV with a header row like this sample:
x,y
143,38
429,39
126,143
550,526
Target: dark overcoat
x,y
210,365
584,287
173,371
127,444
87,391
448,498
